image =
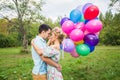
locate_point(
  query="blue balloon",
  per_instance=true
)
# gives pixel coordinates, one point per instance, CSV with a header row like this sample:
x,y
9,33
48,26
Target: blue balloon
x,y
75,15
86,21
97,18
92,48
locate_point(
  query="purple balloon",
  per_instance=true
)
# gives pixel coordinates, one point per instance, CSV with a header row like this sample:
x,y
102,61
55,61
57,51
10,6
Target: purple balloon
x,y
86,6
68,45
63,20
91,39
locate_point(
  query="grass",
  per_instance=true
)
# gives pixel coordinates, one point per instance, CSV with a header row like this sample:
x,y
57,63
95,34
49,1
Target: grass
x,y
102,64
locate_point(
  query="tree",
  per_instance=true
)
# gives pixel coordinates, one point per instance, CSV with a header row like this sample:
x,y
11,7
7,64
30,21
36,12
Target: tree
x,y
3,26
27,11
111,30
115,5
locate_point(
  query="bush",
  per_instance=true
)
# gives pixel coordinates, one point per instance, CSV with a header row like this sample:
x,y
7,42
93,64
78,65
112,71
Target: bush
x,y
8,41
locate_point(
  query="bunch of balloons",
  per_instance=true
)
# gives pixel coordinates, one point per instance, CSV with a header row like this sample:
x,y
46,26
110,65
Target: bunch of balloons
x,y
82,29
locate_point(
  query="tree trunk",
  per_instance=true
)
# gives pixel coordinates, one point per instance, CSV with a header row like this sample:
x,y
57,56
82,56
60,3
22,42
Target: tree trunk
x,y
25,44
25,41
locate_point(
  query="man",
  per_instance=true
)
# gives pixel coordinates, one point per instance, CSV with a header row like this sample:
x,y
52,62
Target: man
x,y
40,69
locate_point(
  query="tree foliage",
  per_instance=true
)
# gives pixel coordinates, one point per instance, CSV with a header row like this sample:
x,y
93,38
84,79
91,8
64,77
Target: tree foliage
x,y
111,25
24,27
27,11
115,5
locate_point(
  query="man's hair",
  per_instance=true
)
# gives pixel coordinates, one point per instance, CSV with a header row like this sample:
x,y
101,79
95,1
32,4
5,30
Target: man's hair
x,y
44,27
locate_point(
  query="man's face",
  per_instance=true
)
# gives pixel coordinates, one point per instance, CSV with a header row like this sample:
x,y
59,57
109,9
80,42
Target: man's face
x,y
52,36
47,34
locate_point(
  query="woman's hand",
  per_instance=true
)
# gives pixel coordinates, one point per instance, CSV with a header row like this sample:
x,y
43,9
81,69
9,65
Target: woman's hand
x,y
59,67
50,41
32,41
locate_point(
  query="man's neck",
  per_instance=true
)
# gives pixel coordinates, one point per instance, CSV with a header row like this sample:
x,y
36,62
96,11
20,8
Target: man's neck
x,y
40,35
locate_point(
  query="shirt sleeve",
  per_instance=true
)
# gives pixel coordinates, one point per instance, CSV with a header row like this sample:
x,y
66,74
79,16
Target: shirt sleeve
x,y
38,43
49,51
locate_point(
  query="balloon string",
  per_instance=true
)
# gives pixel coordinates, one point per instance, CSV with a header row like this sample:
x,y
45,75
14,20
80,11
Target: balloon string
x,y
63,51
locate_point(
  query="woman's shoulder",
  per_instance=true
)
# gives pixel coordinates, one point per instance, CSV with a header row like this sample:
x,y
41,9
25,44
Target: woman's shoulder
x,y
55,48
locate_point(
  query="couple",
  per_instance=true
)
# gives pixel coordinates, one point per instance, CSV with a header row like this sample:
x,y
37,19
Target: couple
x,y
46,55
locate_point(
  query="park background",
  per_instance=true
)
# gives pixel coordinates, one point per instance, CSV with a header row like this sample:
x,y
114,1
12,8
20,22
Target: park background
x,y
16,33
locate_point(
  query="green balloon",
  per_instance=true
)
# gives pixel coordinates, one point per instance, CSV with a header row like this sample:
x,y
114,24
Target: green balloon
x,y
82,19
82,49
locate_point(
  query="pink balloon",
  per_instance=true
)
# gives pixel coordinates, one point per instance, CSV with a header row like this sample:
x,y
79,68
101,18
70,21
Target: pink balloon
x,y
67,26
93,26
76,35
74,54
97,34
80,25
86,32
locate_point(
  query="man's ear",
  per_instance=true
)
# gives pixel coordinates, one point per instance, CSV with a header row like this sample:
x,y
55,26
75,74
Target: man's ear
x,y
43,32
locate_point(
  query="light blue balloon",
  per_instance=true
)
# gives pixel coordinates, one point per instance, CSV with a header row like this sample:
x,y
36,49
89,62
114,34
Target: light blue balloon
x,y
75,15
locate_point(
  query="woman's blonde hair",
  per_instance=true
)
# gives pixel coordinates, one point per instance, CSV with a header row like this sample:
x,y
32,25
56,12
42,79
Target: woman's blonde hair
x,y
58,32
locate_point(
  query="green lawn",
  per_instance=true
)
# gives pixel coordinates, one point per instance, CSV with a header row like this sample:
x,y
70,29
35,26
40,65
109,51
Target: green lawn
x,y
102,64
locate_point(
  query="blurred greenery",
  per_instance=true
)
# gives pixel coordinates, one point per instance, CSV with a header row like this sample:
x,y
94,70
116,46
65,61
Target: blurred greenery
x,y
102,64
11,33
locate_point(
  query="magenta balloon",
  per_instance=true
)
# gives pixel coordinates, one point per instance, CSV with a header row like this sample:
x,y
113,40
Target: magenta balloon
x,y
86,32
80,25
76,35
68,26
93,26
86,6
74,54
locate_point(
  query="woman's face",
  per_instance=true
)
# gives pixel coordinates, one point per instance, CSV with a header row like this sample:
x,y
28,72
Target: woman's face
x,y
53,36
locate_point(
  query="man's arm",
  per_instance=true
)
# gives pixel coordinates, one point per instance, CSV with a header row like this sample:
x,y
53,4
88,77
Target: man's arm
x,y
45,59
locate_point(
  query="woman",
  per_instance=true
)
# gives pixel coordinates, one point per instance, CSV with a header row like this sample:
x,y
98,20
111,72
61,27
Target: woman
x,y
54,53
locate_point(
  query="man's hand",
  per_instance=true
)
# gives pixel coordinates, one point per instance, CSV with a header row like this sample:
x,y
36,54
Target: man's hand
x,y
32,41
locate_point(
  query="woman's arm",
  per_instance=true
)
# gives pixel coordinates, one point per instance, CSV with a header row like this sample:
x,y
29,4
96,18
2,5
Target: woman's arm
x,y
38,50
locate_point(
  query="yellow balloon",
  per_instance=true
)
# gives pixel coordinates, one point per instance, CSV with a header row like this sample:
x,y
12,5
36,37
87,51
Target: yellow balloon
x,y
79,42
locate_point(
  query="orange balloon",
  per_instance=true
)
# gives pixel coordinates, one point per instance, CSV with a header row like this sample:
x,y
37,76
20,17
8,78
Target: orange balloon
x,y
79,42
